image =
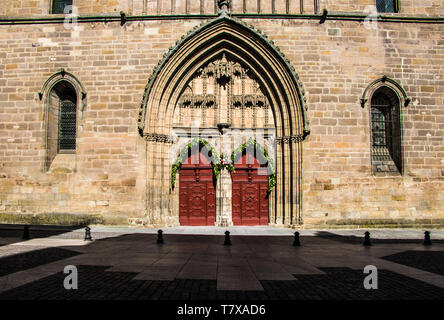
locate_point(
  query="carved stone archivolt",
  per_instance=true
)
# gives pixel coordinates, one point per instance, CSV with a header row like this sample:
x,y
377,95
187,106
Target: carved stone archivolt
x,y
258,39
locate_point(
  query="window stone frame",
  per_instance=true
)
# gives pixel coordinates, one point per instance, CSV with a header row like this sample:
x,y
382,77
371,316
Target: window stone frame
x,y
403,100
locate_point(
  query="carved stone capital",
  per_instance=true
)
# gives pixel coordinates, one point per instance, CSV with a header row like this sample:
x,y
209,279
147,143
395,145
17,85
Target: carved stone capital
x,y
288,139
156,137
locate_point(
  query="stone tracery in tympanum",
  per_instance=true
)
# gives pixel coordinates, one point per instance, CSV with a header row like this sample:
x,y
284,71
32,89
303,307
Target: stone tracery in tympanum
x,y
223,91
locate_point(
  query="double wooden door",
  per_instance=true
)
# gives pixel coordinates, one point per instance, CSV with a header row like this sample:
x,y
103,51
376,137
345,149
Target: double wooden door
x,y
197,193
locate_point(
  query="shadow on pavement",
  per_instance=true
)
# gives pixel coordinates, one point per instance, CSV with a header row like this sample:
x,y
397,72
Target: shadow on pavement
x,y
351,239
13,233
97,282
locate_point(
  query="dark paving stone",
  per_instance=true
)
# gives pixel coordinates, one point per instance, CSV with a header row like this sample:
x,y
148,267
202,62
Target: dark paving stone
x,y
359,240
337,284
431,261
32,259
347,284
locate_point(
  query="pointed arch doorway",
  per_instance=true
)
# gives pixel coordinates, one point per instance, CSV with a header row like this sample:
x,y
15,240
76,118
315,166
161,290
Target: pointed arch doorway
x,y
232,43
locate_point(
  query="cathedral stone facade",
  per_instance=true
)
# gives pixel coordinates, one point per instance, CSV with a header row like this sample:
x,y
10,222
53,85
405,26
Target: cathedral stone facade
x,y
293,113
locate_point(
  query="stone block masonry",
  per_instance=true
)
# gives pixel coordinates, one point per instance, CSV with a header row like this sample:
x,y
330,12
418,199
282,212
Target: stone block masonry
x,y
335,61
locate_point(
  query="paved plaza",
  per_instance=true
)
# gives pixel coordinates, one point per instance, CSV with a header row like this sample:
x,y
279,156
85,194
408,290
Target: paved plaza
x,y
193,264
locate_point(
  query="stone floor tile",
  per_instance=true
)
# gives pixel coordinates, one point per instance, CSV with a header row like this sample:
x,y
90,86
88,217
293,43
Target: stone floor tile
x,y
237,278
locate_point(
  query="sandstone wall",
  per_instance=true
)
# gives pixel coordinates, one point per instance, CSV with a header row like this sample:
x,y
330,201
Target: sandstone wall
x,y
336,61
154,7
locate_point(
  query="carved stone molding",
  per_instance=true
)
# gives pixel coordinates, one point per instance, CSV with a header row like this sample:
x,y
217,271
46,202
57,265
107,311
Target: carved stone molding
x,y
385,81
63,75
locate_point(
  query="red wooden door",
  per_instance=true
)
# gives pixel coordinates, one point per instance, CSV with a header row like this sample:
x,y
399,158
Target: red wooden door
x,y
197,194
249,192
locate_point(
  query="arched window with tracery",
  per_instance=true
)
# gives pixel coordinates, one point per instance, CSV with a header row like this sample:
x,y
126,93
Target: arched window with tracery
x,y
64,102
386,132
386,98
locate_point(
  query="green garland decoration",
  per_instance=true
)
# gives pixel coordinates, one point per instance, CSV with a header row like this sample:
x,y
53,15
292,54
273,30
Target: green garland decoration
x,y
240,150
184,152
221,162
224,163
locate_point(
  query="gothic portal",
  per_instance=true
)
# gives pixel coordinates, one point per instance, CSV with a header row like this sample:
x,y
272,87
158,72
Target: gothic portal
x,y
224,118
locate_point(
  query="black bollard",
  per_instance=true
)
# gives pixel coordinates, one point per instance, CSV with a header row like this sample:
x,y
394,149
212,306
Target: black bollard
x,y
26,233
367,239
88,234
296,241
227,241
160,236
427,240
